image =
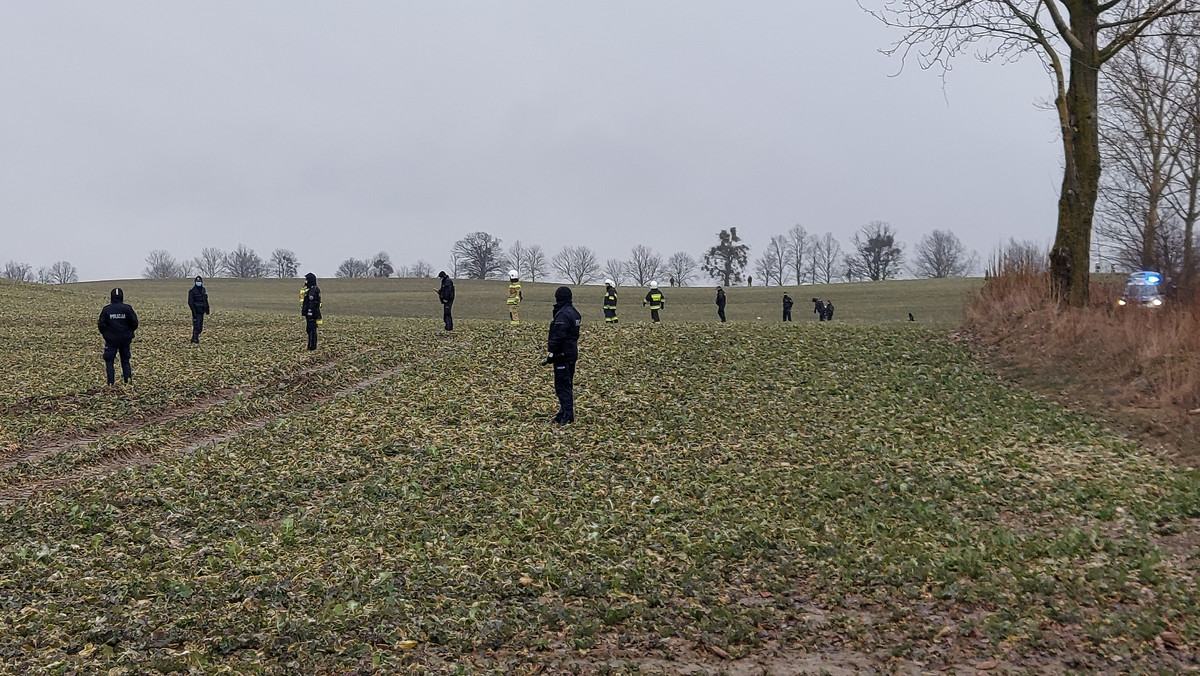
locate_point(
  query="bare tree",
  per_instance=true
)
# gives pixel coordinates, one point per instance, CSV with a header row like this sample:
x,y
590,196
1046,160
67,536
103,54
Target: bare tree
x,y
517,253
577,264
160,264
644,265
480,255
62,272
210,262
799,244
727,260
826,260
284,263
20,272
456,265
942,254
877,254
536,265
353,268
682,267
243,263
616,270
421,269
1018,258
1075,39
777,260
381,265
1186,200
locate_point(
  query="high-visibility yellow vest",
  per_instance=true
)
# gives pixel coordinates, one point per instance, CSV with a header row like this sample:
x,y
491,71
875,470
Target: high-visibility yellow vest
x,y
610,301
656,301
514,293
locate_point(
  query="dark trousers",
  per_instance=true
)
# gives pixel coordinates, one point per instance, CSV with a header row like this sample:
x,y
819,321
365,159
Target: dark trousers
x,y
197,325
721,313
654,316
787,314
110,354
610,315
564,387
311,326
449,321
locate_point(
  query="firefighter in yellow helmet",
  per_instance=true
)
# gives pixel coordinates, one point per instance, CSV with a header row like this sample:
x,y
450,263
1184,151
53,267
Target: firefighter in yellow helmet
x,y
610,302
655,299
514,298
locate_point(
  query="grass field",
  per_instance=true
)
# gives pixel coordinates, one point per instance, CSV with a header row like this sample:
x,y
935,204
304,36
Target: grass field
x,y
847,497
936,301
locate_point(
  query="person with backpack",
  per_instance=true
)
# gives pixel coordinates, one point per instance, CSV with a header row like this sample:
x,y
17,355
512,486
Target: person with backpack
x,y
198,302
446,296
118,324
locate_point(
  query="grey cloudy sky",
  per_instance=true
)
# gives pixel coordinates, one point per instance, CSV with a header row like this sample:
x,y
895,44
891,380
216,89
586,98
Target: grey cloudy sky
x,y
340,129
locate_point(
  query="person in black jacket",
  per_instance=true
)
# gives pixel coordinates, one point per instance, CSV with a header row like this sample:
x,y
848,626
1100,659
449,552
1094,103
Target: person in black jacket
x,y
563,348
310,308
117,324
446,295
721,304
787,308
819,309
828,310
198,302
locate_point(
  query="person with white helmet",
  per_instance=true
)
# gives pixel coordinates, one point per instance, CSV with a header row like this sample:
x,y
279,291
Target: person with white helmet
x,y
514,298
655,299
610,302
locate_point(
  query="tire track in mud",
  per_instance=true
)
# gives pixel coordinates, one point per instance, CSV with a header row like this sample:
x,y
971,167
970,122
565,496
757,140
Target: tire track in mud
x,y
54,446
122,460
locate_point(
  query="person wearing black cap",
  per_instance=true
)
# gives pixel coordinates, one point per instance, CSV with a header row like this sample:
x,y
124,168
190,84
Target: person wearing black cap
x,y
198,302
310,308
446,295
117,324
563,348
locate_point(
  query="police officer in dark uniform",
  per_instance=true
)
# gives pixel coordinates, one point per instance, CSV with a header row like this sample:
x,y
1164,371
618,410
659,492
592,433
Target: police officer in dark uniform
x,y
787,308
721,304
819,309
198,302
446,295
117,324
610,302
310,308
563,348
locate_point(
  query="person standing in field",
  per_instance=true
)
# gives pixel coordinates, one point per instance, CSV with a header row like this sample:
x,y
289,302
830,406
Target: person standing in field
x,y
562,347
118,323
514,298
310,308
446,295
610,302
787,308
654,298
819,309
828,310
198,302
721,304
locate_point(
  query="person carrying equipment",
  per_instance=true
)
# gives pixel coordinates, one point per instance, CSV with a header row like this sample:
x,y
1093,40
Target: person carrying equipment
x,y
562,347
655,300
117,325
610,302
514,298
721,304
787,308
446,295
198,302
310,308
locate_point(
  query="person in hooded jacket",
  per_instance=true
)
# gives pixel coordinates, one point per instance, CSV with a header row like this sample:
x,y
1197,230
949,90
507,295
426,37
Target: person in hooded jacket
x,y
198,302
787,308
721,304
819,309
446,295
562,346
310,308
118,323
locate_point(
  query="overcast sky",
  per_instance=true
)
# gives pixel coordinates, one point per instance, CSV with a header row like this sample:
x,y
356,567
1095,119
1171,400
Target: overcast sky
x,y
340,129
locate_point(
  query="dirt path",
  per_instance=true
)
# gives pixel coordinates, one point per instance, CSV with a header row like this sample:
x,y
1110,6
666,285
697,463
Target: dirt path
x,y
127,460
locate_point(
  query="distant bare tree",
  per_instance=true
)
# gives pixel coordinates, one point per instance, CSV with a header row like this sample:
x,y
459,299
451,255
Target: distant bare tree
x,y
20,272
616,270
942,254
644,265
727,260
243,263
515,260
853,270
421,269
353,268
774,263
480,255
535,265
826,259
1185,199
456,265
285,264
1013,258
577,264
682,267
210,262
381,265
62,272
799,245
160,264
877,254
